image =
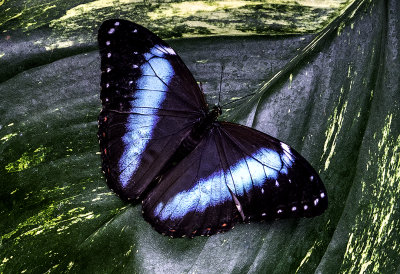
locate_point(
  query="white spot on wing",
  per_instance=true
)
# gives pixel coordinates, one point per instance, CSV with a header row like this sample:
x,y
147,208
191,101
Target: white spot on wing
x,y
170,51
108,70
294,208
322,195
111,31
285,147
116,23
287,157
305,207
109,55
316,201
108,43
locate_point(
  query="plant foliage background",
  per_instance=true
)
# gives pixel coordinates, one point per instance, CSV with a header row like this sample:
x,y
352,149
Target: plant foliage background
x,y
325,77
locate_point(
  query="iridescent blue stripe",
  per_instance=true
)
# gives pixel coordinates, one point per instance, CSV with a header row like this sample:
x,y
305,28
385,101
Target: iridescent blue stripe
x,y
247,173
156,73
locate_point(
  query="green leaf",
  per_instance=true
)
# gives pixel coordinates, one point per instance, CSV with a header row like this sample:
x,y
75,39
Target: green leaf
x,y
334,96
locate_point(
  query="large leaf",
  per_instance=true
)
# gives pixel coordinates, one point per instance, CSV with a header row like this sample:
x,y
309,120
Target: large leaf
x,y
38,32
336,101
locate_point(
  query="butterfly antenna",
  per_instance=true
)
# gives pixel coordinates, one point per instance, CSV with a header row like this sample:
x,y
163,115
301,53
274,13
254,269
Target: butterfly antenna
x,y
220,85
241,98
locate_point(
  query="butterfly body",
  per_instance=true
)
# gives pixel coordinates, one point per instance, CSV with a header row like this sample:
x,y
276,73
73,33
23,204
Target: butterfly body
x,y
200,128
159,143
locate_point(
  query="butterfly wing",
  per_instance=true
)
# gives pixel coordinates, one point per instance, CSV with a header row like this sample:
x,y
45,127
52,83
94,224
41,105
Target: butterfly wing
x,y
275,181
193,199
150,102
235,174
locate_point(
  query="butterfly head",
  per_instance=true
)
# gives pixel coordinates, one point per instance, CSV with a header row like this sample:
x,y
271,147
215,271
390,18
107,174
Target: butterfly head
x,y
217,111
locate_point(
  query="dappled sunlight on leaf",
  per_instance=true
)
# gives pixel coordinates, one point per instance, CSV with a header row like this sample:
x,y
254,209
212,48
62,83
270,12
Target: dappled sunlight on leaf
x,y
27,160
333,96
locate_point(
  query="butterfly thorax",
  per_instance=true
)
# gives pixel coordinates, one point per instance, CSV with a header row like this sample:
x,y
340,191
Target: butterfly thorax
x,y
188,144
204,124
200,129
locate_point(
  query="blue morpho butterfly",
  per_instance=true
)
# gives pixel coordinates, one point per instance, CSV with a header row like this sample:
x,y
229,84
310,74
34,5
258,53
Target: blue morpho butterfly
x,y
160,143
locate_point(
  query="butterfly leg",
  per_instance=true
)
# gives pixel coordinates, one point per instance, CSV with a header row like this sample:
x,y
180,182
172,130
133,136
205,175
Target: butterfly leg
x,y
201,87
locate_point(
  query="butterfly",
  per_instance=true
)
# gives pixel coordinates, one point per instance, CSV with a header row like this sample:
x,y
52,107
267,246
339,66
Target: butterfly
x,y
160,144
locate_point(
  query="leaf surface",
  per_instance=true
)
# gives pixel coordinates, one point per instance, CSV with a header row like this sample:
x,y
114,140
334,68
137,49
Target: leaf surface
x,y
338,104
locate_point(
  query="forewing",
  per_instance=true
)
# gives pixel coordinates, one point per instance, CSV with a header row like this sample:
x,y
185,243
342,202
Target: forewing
x,y
150,102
